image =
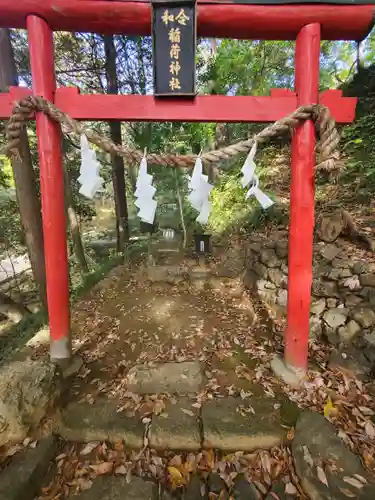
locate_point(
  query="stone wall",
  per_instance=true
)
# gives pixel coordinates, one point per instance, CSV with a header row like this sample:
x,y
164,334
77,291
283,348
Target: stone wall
x,y
343,291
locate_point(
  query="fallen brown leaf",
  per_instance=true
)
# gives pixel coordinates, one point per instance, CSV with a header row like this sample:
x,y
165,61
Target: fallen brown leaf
x,y
175,477
290,489
84,483
370,429
88,448
322,476
188,412
353,482
348,493
103,468
290,435
121,470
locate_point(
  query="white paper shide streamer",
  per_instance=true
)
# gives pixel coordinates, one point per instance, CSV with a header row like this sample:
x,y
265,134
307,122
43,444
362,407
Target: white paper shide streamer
x,y
144,194
200,190
89,178
251,179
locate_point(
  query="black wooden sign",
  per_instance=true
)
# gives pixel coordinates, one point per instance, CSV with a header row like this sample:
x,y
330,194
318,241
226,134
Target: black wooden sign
x,y
174,41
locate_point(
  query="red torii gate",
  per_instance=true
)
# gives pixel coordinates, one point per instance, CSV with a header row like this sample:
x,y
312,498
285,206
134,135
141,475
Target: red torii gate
x,y
305,22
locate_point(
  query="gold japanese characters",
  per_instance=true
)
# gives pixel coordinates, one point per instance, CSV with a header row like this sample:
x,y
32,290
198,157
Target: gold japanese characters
x,y
174,40
174,36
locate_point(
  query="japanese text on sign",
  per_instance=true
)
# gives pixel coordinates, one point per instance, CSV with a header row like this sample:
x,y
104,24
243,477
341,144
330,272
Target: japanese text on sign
x,y
174,47
174,36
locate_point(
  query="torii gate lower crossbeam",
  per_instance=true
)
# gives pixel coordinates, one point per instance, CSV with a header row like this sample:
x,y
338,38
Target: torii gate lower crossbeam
x,y
310,22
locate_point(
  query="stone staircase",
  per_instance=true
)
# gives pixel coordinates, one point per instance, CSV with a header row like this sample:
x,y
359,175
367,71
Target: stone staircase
x,y
182,422
178,420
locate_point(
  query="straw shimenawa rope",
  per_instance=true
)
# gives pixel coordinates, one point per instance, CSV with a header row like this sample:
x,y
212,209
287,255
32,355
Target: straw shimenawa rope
x,y
320,115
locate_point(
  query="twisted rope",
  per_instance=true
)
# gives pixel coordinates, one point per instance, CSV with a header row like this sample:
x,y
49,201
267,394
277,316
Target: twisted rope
x,y
320,115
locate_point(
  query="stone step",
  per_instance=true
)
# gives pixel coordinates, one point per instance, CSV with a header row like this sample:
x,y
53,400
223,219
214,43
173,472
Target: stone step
x,y
117,488
175,273
228,424
316,444
100,421
258,426
175,429
167,272
184,377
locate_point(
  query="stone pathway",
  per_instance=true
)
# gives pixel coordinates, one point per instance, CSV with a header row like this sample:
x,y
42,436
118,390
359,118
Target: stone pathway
x,y
227,424
324,468
164,313
176,399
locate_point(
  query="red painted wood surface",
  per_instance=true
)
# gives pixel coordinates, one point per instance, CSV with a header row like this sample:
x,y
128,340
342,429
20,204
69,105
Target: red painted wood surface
x,y
213,108
52,189
301,219
267,22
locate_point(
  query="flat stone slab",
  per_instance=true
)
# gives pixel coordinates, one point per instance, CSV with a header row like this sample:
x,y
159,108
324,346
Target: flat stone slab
x,y
229,424
168,273
185,377
100,421
177,428
22,478
316,444
116,488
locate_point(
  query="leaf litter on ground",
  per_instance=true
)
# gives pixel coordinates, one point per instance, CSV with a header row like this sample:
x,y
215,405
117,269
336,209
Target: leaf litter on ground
x,y
206,322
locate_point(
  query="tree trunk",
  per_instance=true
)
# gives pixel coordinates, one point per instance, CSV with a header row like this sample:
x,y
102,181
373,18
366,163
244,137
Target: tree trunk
x,y
181,208
118,170
74,225
24,177
11,309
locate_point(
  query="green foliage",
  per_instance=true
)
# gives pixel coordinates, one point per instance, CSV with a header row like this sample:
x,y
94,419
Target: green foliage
x,y
230,210
228,205
358,138
79,287
6,173
359,145
250,67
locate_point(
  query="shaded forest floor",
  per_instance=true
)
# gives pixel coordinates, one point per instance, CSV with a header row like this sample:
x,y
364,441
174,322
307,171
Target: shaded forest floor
x,y
133,318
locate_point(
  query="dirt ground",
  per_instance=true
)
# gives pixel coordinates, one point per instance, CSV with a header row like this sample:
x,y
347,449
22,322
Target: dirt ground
x,y
128,320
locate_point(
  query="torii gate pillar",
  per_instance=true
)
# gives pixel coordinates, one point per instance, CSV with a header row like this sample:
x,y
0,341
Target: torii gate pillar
x,y
301,225
52,191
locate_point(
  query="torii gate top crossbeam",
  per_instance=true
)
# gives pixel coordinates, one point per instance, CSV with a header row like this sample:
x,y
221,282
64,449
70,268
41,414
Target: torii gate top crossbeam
x,y
339,20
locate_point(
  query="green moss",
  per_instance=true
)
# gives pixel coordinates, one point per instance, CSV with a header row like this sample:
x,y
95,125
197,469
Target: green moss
x,y
289,412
